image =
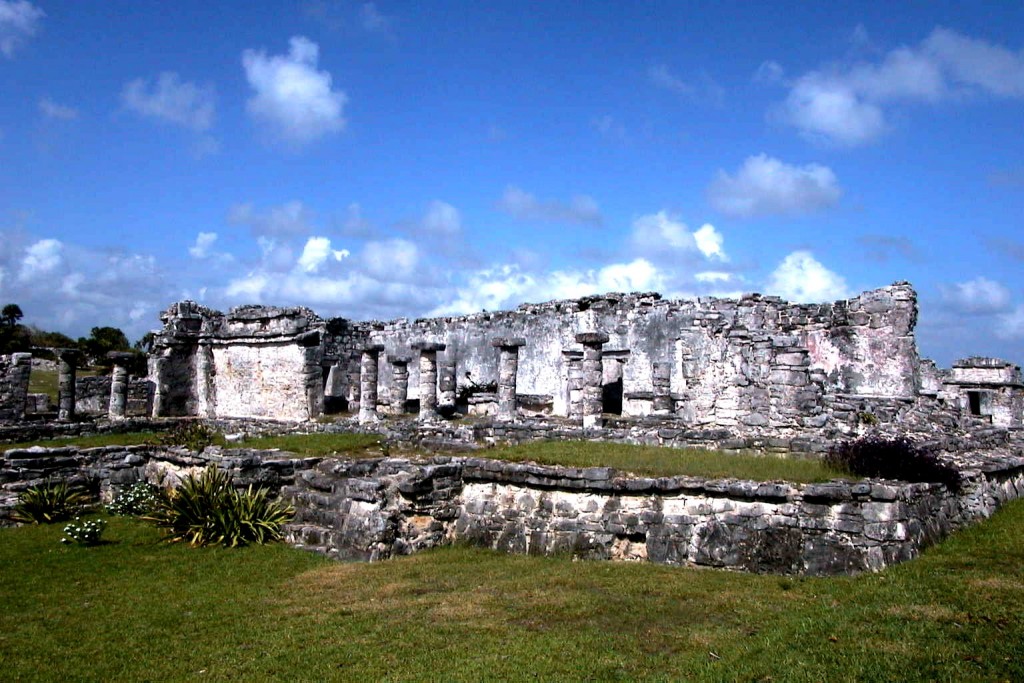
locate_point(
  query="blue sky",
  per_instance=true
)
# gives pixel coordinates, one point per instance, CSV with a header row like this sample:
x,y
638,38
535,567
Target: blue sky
x,y
376,160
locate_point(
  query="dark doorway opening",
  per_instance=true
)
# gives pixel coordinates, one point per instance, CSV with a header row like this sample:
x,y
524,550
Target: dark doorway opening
x,y
611,397
974,400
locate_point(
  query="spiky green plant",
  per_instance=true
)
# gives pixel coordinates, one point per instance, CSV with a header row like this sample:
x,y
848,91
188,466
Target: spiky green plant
x,y
54,501
208,510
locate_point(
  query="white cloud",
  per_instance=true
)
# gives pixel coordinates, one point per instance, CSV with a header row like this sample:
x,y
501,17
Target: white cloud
x,y
709,242
506,285
800,278
713,276
19,21
765,186
977,296
846,104
52,110
372,20
525,206
660,233
41,258
172,100
769,72
442,218
660,76
395,258
293,100
204,242
290,218
317,252
1010,325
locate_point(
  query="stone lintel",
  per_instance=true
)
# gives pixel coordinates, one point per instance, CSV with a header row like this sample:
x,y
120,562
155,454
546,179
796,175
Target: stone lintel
x,y
400,360
120,357
592,338
429,346
508,342
68,355
373,347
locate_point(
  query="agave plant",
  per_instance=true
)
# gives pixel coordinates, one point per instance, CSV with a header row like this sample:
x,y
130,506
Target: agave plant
x,y
54,501
207,510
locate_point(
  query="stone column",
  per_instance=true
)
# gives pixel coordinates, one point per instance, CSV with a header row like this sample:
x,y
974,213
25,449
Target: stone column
x,y
661,379
399,384
368,382
205,392
593,375
352,394
119,385
21,372
428,377
66,384
508,367
446,385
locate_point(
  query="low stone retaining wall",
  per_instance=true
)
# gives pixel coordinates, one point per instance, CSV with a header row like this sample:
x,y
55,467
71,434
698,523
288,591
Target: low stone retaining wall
x,y
379,508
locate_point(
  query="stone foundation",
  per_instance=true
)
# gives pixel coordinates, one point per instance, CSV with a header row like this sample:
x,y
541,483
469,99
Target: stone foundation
x,y
380,508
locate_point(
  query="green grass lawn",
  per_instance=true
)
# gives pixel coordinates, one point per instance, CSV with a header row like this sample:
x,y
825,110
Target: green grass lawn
x,y
42,381
136,609
319,444
91,441
659,462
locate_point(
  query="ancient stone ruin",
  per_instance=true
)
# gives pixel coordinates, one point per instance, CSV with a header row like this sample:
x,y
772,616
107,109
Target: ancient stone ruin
x,y
756,362
753,373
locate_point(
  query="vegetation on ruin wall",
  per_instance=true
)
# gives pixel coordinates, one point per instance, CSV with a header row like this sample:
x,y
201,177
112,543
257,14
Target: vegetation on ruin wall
x,y
90,441
136,609
655,461
311,445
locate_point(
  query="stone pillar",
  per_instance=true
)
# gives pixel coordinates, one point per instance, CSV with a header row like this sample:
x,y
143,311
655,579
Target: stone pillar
x,y
399,383
66,384
313,373
446,386
368,382
119,385
593,375
20,375
206,402
661,379
428,377
352,394
508,367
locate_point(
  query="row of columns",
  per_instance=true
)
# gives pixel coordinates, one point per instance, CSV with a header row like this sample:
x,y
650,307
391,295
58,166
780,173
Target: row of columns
x,y
66,375
508,369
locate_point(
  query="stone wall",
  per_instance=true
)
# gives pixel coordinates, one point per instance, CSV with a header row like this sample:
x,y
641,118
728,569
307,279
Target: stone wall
x,y
14,377
380,508
92,396
372,510
755,362
257,361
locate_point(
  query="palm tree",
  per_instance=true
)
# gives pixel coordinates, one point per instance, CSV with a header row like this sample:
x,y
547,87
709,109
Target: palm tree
x,y
11,314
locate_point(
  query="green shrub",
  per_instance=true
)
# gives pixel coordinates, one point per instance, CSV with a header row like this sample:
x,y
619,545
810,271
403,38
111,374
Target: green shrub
x,y
47,503
892,458
208,510
193,435
137,499
84,533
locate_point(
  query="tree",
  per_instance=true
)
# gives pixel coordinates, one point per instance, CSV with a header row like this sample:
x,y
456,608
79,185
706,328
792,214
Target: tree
x,y
11,314
145,344
102,340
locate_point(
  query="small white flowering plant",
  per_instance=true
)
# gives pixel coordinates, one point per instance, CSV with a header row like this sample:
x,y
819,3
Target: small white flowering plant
x,y
88,532
137,499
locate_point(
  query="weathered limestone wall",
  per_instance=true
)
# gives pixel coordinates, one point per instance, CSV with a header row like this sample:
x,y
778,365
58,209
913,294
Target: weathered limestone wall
x,y
92,395
756,360
376,509
15,370
373,510
256,361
